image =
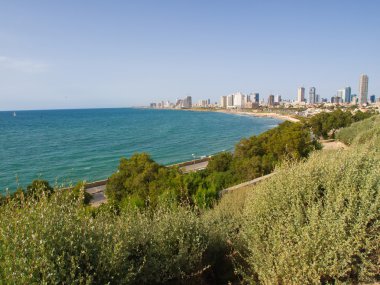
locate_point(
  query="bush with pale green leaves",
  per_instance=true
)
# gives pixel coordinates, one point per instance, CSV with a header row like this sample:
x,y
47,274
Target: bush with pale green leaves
x,y
361,131
316,222
56,241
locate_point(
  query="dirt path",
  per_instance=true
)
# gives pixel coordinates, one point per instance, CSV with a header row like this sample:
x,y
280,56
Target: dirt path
x,y
333,145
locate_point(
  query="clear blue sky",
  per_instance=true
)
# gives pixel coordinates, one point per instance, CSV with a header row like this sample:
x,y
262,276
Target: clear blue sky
x,y
74,54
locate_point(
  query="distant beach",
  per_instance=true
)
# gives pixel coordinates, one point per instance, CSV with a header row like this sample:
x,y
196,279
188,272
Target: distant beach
x,y
260,115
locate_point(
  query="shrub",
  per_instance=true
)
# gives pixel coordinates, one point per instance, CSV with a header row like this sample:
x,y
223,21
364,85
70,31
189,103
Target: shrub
x,y
79,192
55,241
220,162
364,130
145,181
323,123
316,222
38,186
223,224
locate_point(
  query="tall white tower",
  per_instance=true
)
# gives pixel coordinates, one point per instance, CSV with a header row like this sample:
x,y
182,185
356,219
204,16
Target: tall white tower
x,y
363,89
301,95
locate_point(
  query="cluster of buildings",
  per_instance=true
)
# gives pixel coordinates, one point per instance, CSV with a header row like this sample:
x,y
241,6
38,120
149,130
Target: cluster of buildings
x,y
239,100
342,97
205,103
185,103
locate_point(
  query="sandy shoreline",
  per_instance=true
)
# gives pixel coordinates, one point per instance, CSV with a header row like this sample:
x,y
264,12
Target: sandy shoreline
x,y
237,112
261,115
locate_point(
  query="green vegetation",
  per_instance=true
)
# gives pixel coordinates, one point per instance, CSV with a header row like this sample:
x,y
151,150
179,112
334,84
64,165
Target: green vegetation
x,y
360,131
326,124
41,188
141,182
317,221
54,241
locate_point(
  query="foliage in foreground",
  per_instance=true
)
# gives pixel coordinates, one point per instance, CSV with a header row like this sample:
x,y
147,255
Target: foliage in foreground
x,y
317,222
55,241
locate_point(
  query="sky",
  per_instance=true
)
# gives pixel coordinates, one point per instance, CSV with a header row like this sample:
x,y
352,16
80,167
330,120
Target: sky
x,y
101,54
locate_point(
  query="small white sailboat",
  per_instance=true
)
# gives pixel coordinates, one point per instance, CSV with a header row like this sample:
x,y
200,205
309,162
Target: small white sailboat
x,y
14,114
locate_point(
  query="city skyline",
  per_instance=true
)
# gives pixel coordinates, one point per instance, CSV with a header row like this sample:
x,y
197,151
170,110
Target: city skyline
x,y
122,54
239,100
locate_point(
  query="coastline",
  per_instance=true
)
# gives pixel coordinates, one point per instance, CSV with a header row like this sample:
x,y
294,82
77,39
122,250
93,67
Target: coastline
x,y
180,161
239,112
260,115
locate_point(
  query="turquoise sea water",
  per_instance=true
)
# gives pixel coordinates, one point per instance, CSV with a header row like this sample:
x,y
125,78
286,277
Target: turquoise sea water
x,y
70,145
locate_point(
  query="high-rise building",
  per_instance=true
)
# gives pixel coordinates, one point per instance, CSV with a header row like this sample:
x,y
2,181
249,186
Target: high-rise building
x,y
347,95
340,93
344,95
257,98
277,99
372,99
239,100
187,102
203,103
230,101
223,102
301,95
271,100
312,95
354,99
363,89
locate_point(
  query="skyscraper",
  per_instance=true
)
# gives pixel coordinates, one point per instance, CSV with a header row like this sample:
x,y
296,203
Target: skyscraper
x,y
312,95
239,100
223,102
257,98
230,101
363,89
340,93
187,102
347,95
271,100
301,95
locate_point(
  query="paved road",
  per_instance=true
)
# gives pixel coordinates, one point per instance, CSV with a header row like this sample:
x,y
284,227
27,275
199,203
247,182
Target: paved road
x,y
98,196
194,167
335,145
97,192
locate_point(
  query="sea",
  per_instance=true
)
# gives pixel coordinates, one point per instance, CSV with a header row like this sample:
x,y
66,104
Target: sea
x,y
67,146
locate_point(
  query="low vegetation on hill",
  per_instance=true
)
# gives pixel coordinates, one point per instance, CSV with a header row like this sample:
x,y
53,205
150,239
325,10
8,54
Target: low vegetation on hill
x,y
140,181
360,131
326,124
317,221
